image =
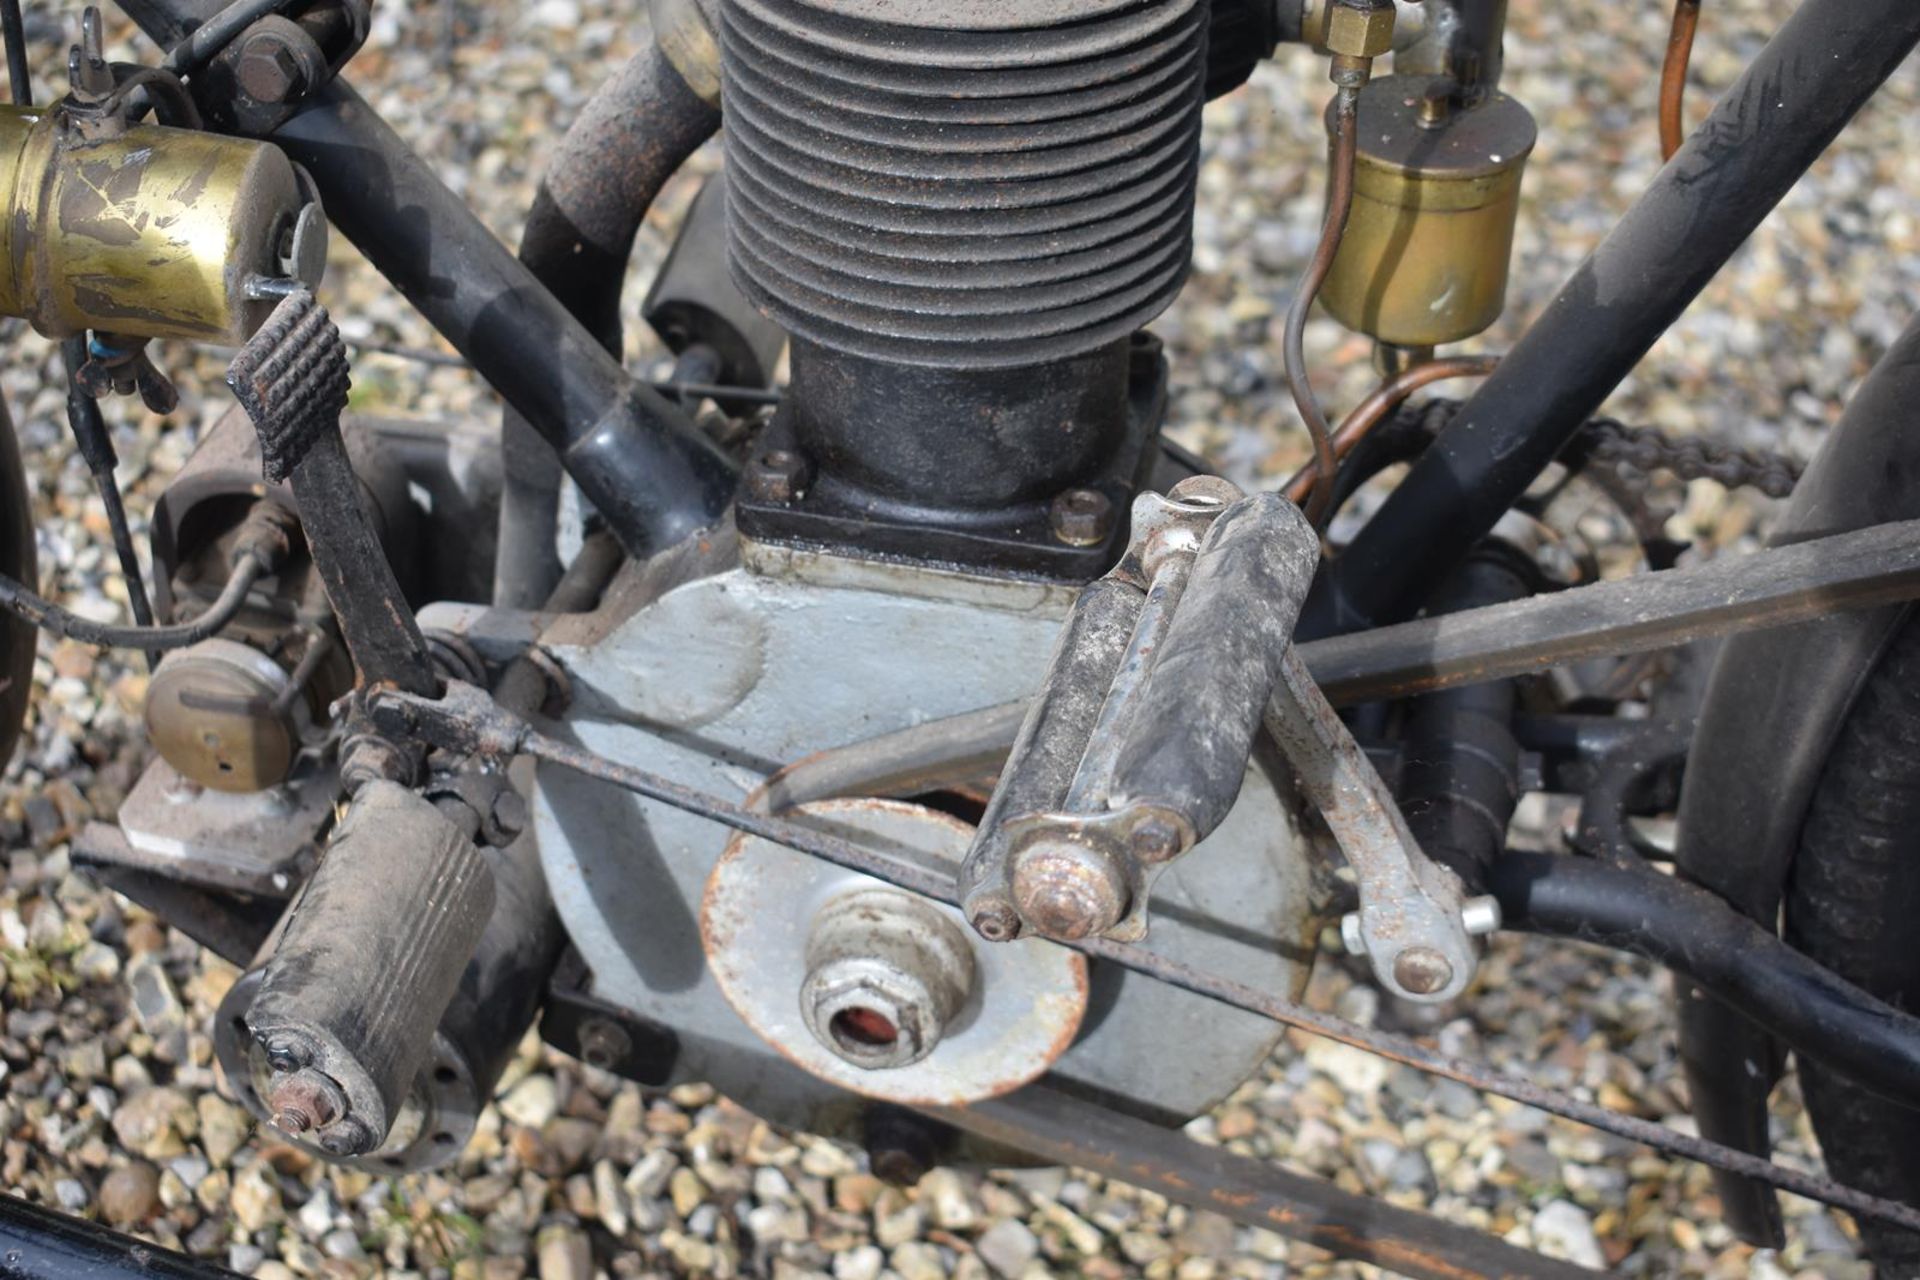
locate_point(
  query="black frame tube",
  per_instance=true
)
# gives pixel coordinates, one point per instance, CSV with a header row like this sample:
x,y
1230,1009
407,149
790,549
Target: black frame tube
x,y
1809,80
635,132
637,458
1700,935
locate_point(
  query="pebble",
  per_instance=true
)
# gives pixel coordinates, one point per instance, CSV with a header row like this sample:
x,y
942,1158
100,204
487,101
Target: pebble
x,y
1007,1246
1564,1230
129,1194
107,1067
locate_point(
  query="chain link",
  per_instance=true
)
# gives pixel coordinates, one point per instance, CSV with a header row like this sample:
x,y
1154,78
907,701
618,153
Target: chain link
x,y
1645,450
1633,451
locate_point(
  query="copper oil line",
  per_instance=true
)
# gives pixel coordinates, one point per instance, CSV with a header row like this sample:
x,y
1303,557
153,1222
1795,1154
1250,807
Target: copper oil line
x,y
1372,411
1673,76
1346,137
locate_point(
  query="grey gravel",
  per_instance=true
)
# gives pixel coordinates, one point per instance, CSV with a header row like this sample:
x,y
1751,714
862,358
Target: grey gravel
x,y
108,1093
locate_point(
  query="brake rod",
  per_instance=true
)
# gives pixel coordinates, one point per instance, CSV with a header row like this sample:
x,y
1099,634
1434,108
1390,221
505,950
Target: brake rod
x,y
1772,588
466,720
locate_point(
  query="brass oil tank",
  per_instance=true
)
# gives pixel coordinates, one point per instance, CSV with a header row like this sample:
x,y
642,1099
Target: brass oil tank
x,y
1436,196
152,234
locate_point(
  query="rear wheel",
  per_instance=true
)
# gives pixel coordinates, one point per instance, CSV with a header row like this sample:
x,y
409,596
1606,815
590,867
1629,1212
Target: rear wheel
x,y
1853,903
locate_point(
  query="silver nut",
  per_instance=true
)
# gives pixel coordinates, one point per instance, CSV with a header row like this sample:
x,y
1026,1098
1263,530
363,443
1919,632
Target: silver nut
x,y
1350,935
870,1014
1360,28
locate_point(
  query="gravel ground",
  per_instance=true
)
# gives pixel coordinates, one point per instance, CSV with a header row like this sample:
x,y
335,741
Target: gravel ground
x,y
111,1108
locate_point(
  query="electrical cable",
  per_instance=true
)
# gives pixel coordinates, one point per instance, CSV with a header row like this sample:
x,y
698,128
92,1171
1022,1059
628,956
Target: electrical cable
x,y
17,599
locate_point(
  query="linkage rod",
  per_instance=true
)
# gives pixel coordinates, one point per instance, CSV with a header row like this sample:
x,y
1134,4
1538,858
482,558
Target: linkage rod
x,y
467,720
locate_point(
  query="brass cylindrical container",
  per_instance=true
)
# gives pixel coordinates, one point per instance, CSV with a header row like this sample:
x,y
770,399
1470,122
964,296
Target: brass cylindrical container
x,y
151,234
1436,196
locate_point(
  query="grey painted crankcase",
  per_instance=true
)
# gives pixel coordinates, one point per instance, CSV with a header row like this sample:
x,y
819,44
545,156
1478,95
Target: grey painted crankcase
x,y
717,676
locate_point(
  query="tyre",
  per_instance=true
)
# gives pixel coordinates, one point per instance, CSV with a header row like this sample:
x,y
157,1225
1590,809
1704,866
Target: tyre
x,y
1853,904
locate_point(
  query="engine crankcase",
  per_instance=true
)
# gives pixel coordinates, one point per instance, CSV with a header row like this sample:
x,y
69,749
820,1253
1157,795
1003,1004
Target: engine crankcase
x,y
716,667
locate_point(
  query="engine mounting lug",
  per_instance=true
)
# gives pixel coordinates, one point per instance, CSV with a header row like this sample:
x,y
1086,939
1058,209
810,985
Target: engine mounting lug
x,y
1081,517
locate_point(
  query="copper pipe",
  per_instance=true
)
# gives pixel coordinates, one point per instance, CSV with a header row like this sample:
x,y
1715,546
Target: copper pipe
x,y
1383,400
1346,133
1673,76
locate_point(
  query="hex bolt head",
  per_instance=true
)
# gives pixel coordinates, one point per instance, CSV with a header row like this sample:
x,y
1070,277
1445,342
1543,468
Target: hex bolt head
x,y
778,475
1360,28
996,922
1422,971
267,70
1068,891
1081,517
1350,935
886,975
604,1043
1156,839
303,1100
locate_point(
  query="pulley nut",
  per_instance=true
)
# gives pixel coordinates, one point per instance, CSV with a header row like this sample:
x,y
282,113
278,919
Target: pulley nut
x,y
887,973
1081,517
1068,891
1422,971
1360,28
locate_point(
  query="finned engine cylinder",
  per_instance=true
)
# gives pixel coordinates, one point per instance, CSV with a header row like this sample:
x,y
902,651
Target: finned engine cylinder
x,y
958,205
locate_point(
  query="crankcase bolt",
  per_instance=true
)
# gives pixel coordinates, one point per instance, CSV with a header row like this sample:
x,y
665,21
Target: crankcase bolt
x,y
1082,517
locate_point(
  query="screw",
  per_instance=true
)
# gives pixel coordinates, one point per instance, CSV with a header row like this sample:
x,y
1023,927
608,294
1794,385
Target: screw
x,y
303,1100
1081,517
510,812
1068,891
1155,840
997,922
603,1043
268,70
1422,971
777,475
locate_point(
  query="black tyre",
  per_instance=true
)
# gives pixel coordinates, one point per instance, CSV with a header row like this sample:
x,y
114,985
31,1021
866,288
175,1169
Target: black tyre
x,y
17,561
1853,903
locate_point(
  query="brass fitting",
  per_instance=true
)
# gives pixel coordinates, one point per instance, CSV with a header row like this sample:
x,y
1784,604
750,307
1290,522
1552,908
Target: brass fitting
x,y
1359,28
153,233
1436,197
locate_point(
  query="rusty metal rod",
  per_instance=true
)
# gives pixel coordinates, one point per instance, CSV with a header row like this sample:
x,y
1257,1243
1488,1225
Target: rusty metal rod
x,y
467,720
1060,1128
1340,164
1673,76
1383,400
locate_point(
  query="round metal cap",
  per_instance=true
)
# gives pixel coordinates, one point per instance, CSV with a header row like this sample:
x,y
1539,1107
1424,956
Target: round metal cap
x,y
759,923
216,713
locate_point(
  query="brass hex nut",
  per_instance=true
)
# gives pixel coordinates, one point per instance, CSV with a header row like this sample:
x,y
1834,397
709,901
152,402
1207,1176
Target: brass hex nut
x,y
1360,28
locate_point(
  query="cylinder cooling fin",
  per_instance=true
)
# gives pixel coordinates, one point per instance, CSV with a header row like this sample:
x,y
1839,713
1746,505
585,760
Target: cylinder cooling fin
x,y
972,184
